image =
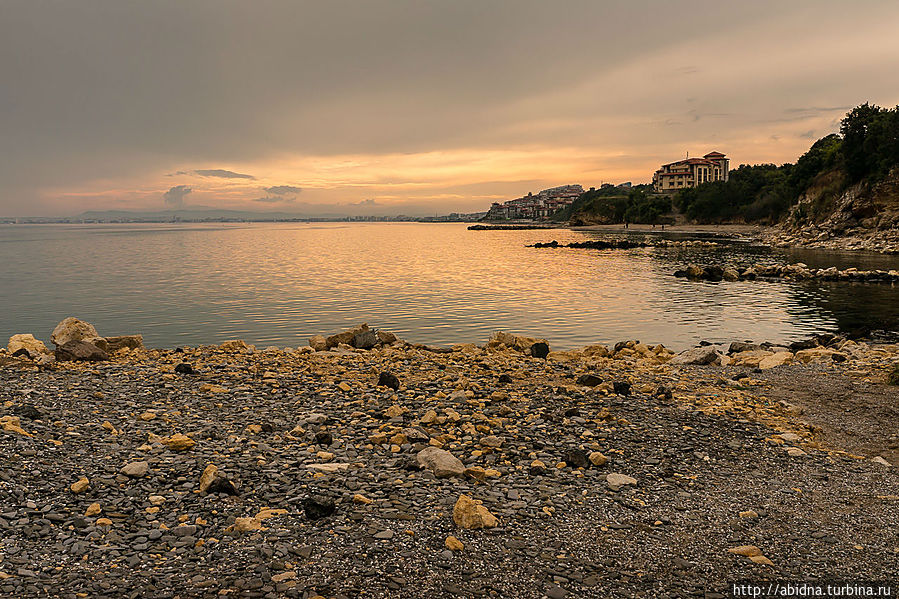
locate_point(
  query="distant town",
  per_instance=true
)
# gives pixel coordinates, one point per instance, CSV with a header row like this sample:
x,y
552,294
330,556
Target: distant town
x,y
540,206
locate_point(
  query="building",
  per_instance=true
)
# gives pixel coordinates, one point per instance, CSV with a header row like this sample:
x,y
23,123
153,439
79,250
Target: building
x,y
691,172
534,207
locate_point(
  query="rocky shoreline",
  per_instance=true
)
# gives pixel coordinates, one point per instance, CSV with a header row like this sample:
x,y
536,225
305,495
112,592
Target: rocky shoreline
x,y
365,466
795,272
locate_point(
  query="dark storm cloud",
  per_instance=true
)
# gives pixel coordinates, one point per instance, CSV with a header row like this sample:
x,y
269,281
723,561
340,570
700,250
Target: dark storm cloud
x,y
222,173
283,189
174,197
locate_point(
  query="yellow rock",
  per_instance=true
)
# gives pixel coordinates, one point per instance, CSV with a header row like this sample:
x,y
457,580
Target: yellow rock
x,y
156,499
266,513
103,522
749,514
430,417
245,525
597,459
11,424
378,439
399,439
108,426
210,388
344,387
469,513
152,510
146,416
93,509
746,550
178,442
254,429
394,411
453,544
476,472
207,477
761,559
359,498
80,485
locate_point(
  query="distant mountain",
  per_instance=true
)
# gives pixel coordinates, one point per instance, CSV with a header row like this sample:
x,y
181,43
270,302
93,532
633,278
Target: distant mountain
x,y
194,215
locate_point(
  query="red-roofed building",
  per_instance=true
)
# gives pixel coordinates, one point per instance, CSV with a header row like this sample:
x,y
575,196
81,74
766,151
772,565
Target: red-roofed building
x,y
691,172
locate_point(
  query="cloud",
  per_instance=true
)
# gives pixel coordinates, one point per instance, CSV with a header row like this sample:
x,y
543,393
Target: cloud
x,y
220,172
275,200
283,189
175,196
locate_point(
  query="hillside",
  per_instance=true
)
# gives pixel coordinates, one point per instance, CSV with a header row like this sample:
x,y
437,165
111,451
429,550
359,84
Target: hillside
x,y
845,185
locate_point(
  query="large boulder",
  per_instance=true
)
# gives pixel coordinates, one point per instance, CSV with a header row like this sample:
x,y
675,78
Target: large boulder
x,y
346,338
698,355
27,343
80,351
441,462
72,329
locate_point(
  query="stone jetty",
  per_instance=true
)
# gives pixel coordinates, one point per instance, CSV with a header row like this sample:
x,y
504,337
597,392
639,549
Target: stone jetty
x,y
498,469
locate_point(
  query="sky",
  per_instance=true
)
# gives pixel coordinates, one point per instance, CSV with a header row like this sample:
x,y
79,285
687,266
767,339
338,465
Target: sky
x,y
411,106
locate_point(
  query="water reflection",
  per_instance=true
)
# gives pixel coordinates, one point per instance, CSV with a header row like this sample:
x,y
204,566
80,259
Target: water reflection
x,y
280,283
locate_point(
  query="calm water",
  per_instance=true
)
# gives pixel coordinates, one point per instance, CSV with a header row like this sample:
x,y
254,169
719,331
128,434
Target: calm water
x,y
277,284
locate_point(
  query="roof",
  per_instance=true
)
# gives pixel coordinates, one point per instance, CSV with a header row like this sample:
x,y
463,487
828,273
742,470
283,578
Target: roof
x,y
714,155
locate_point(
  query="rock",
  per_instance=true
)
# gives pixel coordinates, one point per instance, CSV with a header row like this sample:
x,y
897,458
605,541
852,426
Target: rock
x,y
537,468
778,359
749,514
441,462
92,510
135,469
345,338
597,459
730,274
740,346
819,355
114,344
80,350
795,452
453,544
81,485
245,525
104,522
318,343
72,329
881,461
491,441
364,338
317,507
209,474
556,592
328,468
540,350
221,485
323,438
234,345
694,272
178,442
746,550
698,355
577,458
616,480
361,499
589,380
750,358
387,379
621,388
27,343
469,513
386,337
502,338
504,379
185,368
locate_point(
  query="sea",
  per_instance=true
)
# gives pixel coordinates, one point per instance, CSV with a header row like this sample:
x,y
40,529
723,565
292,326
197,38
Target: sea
x,y
277,284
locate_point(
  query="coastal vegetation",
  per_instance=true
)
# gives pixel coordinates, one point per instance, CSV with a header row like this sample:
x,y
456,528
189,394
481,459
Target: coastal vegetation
x,y
861,157
611,205
864,153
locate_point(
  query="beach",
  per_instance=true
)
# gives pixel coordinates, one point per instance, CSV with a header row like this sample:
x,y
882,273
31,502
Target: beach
x,y
230,470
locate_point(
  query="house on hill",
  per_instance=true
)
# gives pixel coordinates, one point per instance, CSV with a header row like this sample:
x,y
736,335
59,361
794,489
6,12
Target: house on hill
x,y
691,172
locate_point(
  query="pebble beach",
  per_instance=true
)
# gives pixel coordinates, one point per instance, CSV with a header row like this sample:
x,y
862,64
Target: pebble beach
x,y
495,469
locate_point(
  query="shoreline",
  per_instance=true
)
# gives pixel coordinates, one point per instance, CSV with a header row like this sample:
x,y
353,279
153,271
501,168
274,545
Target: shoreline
x,y
342,472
